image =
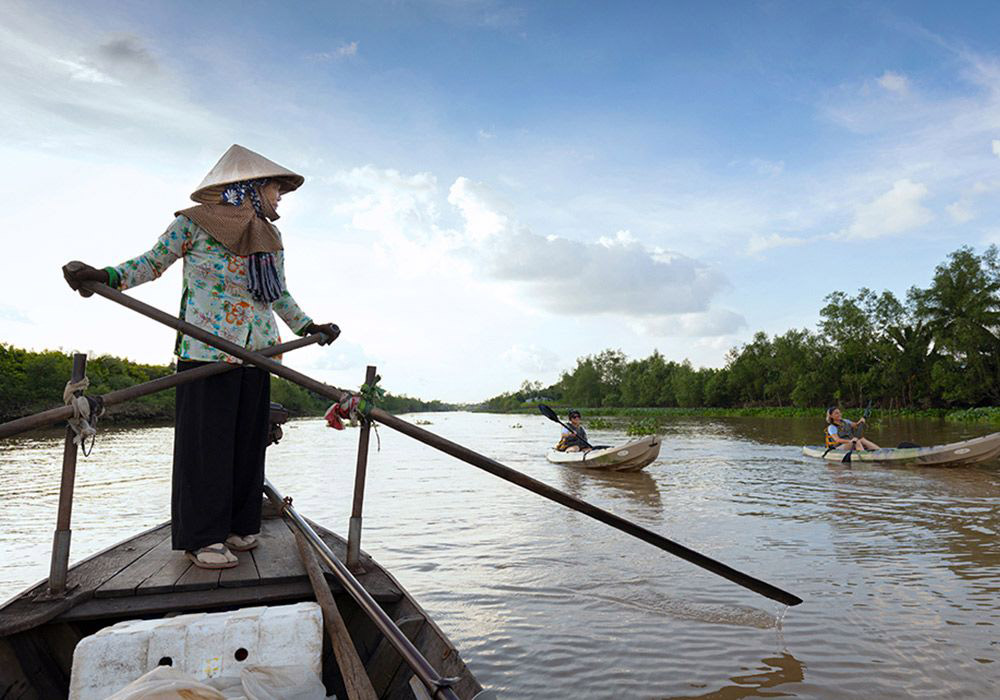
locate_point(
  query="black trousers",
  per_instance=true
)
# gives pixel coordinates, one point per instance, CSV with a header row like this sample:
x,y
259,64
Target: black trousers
x,y
220,436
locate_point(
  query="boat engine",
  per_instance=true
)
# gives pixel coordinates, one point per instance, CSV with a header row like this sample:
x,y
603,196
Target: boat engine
x,y
279,415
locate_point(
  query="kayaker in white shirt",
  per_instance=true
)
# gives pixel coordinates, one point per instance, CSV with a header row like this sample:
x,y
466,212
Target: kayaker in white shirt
x,y
840,432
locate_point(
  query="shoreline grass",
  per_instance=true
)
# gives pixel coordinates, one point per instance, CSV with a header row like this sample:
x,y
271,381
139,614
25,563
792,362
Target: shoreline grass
x,y
985,414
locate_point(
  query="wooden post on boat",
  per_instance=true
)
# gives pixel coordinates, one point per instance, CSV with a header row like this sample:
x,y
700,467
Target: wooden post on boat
x,y
60,541
354,528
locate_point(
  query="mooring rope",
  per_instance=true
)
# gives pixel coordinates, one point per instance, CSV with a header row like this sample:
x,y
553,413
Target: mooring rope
x,y
86,411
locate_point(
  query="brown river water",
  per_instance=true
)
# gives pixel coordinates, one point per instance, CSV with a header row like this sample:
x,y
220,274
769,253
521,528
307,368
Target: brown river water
x,y
899,567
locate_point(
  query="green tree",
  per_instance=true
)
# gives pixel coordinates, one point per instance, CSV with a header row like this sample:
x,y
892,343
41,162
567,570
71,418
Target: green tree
x,y
962,309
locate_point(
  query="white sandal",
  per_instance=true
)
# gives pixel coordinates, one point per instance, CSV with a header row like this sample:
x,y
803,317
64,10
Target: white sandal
x,y
243,543
214,556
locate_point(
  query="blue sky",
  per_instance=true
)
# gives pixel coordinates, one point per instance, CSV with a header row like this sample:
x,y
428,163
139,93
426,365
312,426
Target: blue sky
x,y
494,189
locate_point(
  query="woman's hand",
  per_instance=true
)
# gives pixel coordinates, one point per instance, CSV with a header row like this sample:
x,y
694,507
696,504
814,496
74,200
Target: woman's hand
x,y
330,330
863,420
76,272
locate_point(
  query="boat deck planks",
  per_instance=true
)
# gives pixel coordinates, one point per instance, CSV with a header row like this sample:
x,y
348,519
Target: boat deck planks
x,y
245,574
277,556
144,576
126,581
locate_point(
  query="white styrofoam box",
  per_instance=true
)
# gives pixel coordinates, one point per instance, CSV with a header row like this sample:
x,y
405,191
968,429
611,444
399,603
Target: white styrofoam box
x,y
204,645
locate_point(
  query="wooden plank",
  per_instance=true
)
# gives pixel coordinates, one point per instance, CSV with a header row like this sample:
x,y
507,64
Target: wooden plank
x,y
198,579
276,556
245,574
418,689
42,669
14,683
126,581
174,566
189,600
29,610
385,662
365,634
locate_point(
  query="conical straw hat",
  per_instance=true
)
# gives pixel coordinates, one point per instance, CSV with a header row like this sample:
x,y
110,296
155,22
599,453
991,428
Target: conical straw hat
x,y
238,164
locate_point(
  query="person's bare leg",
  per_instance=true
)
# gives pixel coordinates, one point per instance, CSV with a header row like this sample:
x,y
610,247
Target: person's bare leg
x,y
867,444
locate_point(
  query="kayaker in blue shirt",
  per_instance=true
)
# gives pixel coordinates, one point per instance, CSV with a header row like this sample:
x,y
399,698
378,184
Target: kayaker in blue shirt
x,y
840,432
573,440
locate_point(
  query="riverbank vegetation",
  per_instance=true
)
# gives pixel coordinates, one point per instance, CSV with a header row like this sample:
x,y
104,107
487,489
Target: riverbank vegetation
x,y
34,381
934,353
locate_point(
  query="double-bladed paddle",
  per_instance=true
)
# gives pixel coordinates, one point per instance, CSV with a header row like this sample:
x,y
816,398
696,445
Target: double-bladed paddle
x,y
551,415
868,412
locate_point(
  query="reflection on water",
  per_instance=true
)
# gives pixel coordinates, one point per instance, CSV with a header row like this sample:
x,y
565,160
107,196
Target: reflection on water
x,y
775,671
899,567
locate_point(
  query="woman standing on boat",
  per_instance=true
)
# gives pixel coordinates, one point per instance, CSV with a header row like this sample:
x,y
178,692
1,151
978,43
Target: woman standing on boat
x,y
840,432
234,282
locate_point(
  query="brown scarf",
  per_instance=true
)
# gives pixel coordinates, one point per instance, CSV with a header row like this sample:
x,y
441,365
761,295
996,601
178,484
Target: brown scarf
x,y
238,228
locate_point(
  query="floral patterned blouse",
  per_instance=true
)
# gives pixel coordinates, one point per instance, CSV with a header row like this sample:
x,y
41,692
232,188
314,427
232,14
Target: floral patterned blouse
x,y
215,295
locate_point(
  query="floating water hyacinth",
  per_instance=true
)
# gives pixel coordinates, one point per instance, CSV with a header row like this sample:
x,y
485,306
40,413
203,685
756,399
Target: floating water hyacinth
x,y
642,426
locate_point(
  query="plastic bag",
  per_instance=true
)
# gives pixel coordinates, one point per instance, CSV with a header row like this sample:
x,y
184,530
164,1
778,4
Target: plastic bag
x,y
254,683
281,683
166,683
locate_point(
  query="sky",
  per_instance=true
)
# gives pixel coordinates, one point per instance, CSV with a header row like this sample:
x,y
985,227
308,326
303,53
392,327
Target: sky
x,y
495,189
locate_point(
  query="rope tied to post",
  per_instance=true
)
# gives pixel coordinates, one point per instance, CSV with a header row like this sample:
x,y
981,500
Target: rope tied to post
x,y
86,411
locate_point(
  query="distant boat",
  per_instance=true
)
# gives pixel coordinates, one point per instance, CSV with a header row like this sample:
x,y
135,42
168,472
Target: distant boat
x,y
630,457
951,455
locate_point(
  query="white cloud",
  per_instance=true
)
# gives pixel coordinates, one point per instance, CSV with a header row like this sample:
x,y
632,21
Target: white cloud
x,y
12,313
386,201
339,355
996,147
79,70
77,92
894,82
759,243
480,209
618,274
350,49
531,358
960,211
707,324
898,210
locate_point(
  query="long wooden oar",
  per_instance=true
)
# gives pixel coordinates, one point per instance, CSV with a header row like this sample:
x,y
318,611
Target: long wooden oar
x,y
454,449
352,671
